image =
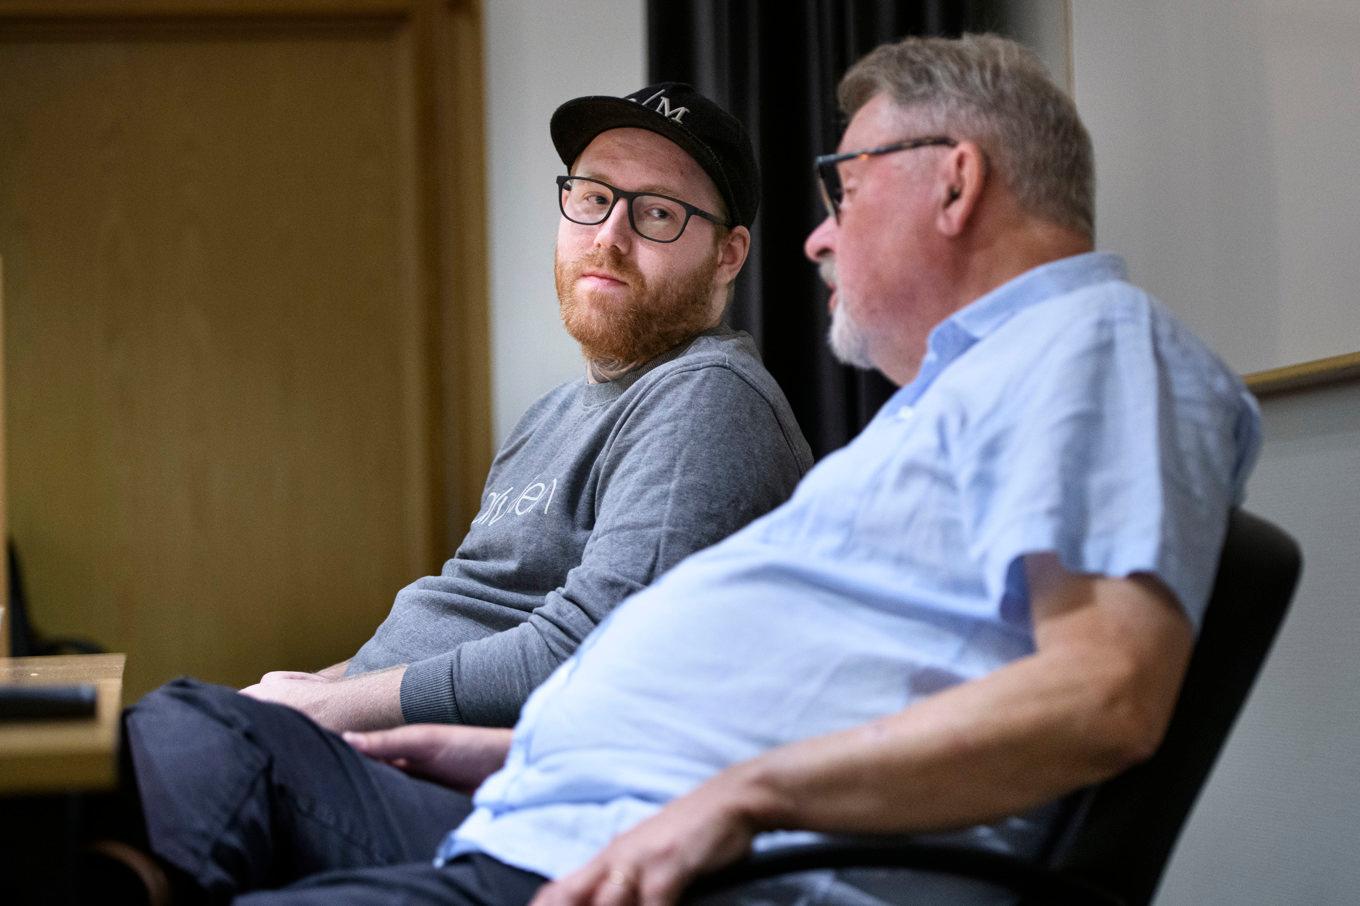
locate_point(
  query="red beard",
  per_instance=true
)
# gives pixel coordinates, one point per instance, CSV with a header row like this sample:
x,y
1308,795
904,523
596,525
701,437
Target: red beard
x,y
640,324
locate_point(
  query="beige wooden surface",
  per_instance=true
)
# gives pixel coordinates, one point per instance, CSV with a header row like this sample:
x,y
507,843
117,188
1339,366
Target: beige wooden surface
x,y
63,754
246,370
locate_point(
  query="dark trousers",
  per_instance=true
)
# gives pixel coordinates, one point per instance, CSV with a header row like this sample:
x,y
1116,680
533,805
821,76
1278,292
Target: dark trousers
x,y
240,795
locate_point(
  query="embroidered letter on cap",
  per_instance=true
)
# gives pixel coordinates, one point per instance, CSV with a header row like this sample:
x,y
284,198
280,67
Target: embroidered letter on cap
x,y
663,107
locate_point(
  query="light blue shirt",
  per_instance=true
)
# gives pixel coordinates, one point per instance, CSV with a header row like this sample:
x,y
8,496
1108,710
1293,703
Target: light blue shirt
x,y
1065,411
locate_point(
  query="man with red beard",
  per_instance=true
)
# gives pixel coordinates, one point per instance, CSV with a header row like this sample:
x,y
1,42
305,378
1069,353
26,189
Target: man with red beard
x,y
675,437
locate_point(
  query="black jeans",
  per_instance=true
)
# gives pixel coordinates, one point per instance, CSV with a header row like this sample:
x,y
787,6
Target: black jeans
x,y
242,795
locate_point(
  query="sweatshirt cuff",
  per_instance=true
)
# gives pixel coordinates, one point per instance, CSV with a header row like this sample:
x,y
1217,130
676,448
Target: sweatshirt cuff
x,y
427,691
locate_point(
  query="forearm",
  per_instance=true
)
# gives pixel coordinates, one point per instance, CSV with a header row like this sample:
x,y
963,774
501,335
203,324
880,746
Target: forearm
x,y
368,702
335,671
458,757
982,750
1094,699
371,701
482,753
492,750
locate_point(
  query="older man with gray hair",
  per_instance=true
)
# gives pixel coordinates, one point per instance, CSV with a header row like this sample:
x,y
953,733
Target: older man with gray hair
x,y
987,600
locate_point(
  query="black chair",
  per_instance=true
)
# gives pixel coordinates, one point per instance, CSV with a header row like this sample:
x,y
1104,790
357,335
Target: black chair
x,y
24,638
1113,840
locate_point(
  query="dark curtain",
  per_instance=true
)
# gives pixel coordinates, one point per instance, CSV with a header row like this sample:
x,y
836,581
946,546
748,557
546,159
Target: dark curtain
x,y
775,65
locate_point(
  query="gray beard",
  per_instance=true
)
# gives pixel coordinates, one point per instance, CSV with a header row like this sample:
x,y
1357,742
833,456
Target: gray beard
x,y
848,342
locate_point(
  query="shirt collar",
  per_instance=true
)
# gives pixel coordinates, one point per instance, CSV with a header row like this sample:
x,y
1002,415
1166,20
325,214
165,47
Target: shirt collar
x,y
956,334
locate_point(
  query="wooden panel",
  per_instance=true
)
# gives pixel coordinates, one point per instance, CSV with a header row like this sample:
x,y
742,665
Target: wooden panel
x,y
458,184
224,404
4,529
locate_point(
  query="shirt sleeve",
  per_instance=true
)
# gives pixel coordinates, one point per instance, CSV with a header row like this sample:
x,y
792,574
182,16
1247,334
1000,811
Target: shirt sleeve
x,y
1121,454
697,456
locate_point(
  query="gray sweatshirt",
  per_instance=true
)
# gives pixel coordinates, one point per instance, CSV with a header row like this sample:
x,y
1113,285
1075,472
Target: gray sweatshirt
x,y
598,490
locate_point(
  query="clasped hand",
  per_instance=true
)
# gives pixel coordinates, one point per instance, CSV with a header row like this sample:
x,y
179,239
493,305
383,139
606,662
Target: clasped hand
x,y
366,702
305,692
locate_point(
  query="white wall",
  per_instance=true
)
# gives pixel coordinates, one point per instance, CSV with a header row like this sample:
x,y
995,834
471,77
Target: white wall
x,y
537,56
1277,822
1228,129
1045,27
1226,134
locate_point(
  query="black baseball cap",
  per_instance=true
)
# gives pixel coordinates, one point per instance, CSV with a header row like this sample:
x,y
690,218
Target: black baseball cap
x,y
709,134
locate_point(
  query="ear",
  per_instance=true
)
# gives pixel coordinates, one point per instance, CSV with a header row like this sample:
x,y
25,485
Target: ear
x,y
732,252
962,177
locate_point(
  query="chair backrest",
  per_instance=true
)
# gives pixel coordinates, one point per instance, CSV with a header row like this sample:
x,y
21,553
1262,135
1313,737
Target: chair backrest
x,y
21,641
24,639
1121,833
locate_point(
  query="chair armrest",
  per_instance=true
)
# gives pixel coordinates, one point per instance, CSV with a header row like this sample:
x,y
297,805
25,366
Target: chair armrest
x,y
1033,882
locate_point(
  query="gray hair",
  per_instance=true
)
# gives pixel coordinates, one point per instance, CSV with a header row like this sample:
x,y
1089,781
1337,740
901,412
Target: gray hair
x,y
993,91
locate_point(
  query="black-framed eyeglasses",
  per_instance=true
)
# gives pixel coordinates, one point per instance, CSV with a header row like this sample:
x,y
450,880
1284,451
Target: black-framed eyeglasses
x,y
659,218
829,177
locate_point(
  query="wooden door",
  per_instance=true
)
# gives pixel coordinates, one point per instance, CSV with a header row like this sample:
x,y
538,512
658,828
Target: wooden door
x,y
245,327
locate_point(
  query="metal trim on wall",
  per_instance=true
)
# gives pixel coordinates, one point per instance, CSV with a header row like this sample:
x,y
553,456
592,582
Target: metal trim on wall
x,y
1305,375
